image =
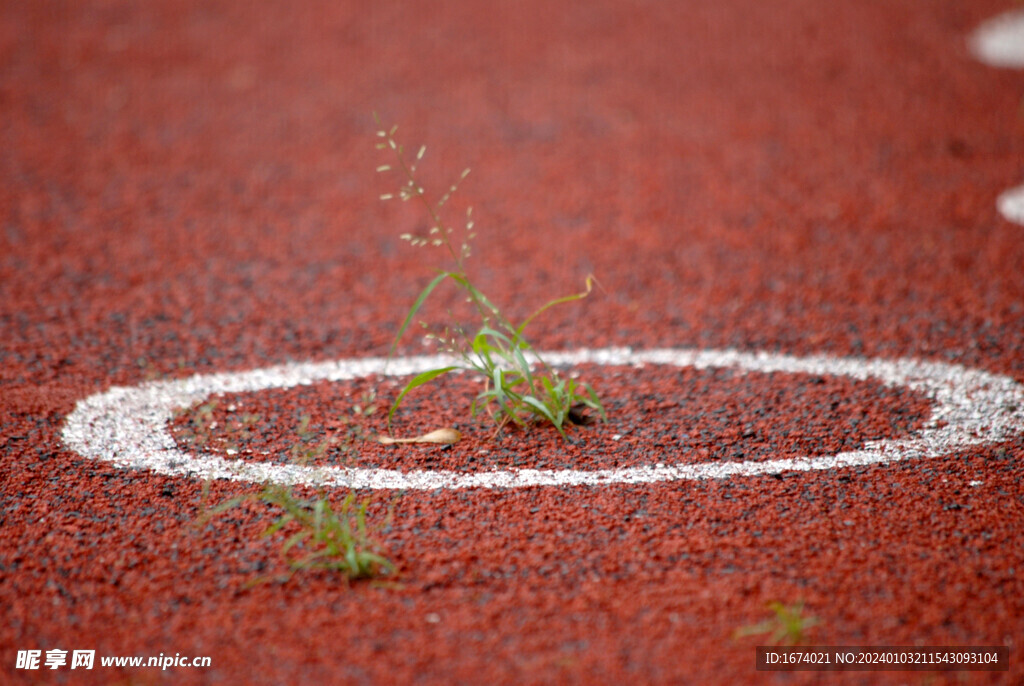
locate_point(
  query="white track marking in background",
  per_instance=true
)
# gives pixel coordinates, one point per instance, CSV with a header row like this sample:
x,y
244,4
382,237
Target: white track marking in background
x,y
128,426
999,42
1011,205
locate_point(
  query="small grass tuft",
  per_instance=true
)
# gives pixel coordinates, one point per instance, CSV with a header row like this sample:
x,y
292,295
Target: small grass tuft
x,y
789,626
328,538
320,535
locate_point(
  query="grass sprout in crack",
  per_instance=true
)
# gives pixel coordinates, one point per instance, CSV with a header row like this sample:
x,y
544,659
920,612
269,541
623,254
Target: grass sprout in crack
x,y
322,531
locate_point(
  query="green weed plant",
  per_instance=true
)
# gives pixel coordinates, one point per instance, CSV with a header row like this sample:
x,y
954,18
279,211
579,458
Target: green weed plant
x,y
519,387
319,534
789,626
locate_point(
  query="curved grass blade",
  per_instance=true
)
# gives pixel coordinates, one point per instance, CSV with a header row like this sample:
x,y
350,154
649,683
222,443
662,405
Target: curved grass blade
x,y
594,402
541,409
556,301
424,294
417,381
524,367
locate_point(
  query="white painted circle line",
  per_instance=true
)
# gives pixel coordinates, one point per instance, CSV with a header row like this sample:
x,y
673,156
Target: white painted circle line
x,y
128,426
999,42
1011,205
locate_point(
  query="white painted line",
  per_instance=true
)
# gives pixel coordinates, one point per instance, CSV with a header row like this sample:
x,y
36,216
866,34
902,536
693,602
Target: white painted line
x,y
1011,205
128,426
999,42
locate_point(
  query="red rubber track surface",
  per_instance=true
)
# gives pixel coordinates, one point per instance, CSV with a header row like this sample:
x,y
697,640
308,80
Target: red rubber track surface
x,y
188,187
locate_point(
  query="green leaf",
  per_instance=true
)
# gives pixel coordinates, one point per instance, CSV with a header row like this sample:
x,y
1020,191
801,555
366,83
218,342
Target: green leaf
x,y
424,294
487,331
374,559
545,412
293,540
556,301
361,520
482,347
540,408
229,504
318,515
416,382
347,502
595,402
277,526
487,396
523,366
498,377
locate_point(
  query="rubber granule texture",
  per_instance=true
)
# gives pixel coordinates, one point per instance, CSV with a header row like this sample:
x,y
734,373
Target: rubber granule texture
x,y
189,187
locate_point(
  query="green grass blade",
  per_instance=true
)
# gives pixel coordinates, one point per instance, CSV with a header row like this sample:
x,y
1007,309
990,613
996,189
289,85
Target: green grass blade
x,y
424,294
595,402
416,382
498,377
523,367
556,301
482,348
227,505
277,526
293,540
492,333
318,515
540,408
361,519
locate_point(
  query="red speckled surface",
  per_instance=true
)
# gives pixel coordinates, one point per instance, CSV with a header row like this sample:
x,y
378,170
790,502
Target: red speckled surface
x,y
684,415
188,187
